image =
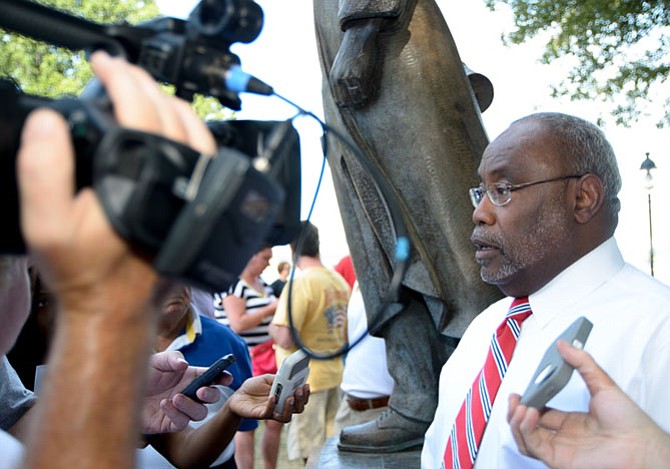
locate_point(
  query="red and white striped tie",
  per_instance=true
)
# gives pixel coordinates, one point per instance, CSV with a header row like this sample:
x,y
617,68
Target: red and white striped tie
x,y
468,429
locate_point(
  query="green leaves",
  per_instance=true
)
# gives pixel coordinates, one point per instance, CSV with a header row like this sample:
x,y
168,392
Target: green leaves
x,y
44,70
622,48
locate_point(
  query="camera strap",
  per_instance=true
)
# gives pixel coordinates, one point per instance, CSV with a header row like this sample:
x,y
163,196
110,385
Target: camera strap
x,y
143,181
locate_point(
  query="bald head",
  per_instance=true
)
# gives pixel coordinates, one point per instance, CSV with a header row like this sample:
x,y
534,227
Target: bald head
x,y
559,180
583,148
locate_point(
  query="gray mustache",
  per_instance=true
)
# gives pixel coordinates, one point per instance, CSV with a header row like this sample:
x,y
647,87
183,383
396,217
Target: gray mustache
x,y
479,236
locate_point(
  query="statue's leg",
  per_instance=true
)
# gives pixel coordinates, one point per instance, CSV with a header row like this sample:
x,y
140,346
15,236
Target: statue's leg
x,y
417,362
416,372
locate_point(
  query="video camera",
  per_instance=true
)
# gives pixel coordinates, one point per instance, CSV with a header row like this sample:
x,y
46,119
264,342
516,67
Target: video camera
x,y
199,218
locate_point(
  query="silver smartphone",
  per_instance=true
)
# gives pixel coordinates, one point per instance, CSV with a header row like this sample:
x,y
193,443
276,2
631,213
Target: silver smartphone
x,y
292,374
553,373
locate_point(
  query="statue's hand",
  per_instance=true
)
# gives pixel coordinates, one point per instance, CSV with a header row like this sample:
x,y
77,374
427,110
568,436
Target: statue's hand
x,y
352,76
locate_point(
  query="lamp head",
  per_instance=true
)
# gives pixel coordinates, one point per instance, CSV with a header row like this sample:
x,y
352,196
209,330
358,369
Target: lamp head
x,y
647,165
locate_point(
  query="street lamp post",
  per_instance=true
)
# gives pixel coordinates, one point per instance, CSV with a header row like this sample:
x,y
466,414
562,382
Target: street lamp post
x,y
648,165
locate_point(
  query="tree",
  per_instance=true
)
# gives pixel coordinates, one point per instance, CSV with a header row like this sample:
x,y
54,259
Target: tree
x,y
45,70
621,49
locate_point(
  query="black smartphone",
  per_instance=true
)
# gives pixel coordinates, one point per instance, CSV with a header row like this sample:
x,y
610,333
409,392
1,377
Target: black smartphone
x,y
208,376
553,373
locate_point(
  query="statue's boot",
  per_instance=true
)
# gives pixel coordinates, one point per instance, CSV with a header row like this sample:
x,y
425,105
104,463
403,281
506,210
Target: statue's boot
x,y
389,433
415,371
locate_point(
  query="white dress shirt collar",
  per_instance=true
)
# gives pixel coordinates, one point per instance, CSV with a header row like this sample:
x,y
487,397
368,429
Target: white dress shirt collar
x,y
576,281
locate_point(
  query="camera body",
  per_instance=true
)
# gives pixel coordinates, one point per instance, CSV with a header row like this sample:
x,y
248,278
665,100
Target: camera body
x,y
199,218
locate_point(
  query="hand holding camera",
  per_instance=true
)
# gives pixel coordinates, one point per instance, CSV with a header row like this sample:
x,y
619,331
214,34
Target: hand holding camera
x,y
197,218
62,227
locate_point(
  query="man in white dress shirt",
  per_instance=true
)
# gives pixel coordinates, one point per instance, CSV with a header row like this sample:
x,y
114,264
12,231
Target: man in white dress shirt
x,y
545,216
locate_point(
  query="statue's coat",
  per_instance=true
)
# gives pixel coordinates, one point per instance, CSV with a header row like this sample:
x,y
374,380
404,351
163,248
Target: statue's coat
x,y
420,125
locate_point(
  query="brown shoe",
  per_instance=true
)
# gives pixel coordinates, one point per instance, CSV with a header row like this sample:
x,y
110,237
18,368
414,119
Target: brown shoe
x,y
389,433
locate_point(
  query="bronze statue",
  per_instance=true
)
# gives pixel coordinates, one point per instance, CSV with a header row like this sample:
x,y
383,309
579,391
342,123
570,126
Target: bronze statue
x,y
395,84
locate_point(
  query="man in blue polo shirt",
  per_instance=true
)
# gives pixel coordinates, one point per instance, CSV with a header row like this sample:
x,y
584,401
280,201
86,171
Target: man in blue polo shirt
x,y
202,341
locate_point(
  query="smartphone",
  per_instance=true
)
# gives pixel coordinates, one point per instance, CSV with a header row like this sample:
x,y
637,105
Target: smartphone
x,y
292,374
553,373
208,376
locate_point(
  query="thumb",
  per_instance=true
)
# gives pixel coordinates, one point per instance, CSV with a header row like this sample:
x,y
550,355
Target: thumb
x,y
45,173
594,376
169,361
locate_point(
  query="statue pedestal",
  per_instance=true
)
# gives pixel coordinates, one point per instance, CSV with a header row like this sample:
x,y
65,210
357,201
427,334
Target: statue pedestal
x,y
331,458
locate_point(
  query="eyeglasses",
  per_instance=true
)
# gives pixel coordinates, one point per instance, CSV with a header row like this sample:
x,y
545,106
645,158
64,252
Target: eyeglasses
x,y
500,193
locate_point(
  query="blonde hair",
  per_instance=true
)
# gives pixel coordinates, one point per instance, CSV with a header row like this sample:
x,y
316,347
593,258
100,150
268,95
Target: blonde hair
x,y
283,265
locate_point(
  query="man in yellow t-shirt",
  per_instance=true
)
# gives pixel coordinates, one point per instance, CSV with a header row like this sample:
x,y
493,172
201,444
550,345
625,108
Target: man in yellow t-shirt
x,y
318,310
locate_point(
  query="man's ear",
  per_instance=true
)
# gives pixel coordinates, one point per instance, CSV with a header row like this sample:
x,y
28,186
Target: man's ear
x,y
589,197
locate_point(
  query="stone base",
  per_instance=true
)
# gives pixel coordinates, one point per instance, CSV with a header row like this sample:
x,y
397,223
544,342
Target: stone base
x,y
332,458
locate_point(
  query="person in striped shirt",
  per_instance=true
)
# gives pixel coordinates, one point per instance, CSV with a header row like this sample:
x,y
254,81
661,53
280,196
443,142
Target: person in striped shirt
x,y
248,307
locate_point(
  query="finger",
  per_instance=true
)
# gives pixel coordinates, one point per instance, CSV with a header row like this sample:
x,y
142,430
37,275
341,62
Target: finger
x,y
208,394
193,410
122,85
530,418
595,377
45,173
297,406
537,440
198,135
552,419
178,420
152,110
513,403
224,379
169,361
294,404
515,417
169,121
287,412
176,361
302,398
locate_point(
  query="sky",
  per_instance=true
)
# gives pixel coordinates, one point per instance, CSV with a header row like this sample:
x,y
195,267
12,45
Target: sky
x,y
285,56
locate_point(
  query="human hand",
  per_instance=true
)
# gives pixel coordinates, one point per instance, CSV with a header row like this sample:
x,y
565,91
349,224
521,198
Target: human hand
x,y
252,400
103,332
80,256
615,433
165,409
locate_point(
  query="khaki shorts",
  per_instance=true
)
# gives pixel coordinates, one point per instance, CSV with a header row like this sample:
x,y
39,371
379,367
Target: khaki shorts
x,y
347,417
310,429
